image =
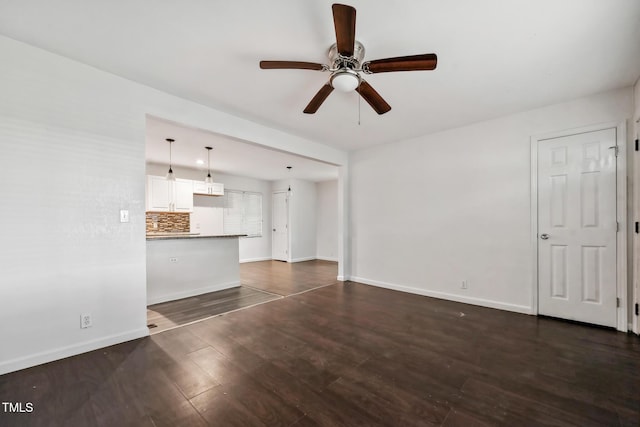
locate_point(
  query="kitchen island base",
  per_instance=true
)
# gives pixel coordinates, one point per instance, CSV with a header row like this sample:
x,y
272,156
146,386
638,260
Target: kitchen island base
x,y
184,266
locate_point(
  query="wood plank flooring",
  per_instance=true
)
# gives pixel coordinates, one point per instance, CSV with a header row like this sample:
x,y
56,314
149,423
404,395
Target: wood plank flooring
x,y
285,278
346,354
261,282
168,315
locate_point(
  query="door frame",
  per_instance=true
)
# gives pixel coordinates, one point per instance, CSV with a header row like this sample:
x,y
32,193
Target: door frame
x,y
635,239
621,213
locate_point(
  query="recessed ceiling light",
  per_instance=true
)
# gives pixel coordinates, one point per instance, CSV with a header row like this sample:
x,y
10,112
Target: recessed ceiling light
x,y
200,162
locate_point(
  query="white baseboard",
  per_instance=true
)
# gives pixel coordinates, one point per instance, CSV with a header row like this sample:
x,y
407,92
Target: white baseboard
x,y
447,296
327,258
343,278
191,293
70,350
255,259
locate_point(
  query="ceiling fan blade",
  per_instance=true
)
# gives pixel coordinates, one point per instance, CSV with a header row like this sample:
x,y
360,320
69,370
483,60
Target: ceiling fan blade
x,y
317,100
344,20
373,98
295,65
402,63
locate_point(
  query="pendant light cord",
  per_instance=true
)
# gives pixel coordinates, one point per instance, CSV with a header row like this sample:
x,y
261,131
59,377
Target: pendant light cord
x,y
170,175
208,162
209,180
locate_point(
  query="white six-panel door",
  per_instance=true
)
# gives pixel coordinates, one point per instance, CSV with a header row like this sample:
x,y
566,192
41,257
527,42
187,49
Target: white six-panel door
x,y
577,227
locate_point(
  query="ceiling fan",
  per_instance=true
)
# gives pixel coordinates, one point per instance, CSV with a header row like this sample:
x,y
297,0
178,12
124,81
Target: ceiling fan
x,y
345,58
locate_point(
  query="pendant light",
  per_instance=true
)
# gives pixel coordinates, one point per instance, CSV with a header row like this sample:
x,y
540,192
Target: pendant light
x,y
289,168
170,175
209,180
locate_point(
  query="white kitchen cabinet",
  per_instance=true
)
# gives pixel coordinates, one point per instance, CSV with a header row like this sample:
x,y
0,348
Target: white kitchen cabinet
x,y
213,189
169,196
158,199
183,195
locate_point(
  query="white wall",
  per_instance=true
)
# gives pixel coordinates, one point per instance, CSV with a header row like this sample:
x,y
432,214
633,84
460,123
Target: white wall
x,y
430,212
207,217
302,218
73,155
251,248
327,220
72,141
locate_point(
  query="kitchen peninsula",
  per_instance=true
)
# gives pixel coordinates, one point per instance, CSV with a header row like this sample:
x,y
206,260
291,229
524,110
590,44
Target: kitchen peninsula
x,y
181,265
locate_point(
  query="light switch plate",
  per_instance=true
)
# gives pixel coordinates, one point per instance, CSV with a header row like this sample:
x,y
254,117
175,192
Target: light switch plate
x,y
124,215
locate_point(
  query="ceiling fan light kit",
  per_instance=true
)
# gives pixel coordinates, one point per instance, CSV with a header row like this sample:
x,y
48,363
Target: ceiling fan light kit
x,y
345,80
345,57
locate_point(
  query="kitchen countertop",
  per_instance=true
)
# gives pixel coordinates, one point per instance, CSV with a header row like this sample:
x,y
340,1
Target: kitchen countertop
x,y
170,236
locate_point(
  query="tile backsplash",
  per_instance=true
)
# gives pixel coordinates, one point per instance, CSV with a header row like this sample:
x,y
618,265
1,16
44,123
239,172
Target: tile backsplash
x,y
167,222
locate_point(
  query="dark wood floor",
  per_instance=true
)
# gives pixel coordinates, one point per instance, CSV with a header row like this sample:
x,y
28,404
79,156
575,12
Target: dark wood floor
x,y
261,282
168,315
345,355
285,278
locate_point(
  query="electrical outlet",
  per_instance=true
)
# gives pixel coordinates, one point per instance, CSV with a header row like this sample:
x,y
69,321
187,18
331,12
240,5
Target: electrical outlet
x,y
173,259
464,284
124,215
85,321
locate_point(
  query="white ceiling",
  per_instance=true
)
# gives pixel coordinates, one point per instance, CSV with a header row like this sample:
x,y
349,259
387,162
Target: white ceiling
x,y
229,155
495,56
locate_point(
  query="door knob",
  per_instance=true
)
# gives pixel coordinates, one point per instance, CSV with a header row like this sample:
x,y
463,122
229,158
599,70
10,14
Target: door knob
x,y
544,236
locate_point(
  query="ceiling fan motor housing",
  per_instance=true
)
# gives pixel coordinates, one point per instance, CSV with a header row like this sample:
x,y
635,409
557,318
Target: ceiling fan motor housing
x,y
352,62
345,76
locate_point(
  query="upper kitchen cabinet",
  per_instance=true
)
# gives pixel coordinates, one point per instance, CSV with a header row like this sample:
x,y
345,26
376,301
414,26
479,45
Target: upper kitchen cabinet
x,y
183,195
169,196
213,189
